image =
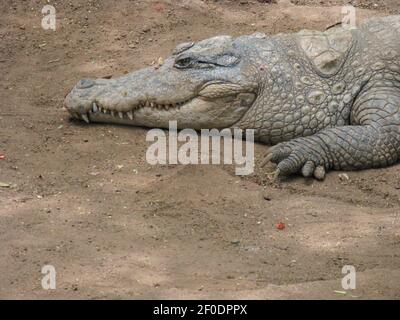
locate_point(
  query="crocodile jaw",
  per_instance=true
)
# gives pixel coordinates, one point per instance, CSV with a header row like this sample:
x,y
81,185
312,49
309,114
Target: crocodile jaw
x,y
197,113
214,105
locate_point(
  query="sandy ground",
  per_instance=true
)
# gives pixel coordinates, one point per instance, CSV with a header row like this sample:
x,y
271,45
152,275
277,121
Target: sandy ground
x,y
83,198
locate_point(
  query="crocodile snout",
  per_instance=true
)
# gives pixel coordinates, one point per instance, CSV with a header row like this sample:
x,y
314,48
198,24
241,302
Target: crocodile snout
x,y
85,84
82,96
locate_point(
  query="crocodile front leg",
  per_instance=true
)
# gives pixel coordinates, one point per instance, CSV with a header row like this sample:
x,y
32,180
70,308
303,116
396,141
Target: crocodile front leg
x,y
372,141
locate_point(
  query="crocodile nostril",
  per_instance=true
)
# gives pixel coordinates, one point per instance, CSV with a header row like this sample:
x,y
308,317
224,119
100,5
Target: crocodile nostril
x,y
85,83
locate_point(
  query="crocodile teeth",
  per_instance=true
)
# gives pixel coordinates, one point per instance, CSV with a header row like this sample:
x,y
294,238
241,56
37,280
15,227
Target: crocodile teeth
x,y
85,117
130,114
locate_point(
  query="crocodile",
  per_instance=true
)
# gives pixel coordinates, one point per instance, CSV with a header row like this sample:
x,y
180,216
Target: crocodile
x,y
325,100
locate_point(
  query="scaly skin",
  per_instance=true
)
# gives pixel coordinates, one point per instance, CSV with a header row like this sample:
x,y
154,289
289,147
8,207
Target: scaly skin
x,y
328,100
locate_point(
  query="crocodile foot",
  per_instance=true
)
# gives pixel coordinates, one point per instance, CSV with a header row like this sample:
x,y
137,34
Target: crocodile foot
x,y
298,156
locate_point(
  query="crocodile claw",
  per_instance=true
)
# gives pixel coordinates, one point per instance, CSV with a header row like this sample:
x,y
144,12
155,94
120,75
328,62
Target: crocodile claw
x,y
292,157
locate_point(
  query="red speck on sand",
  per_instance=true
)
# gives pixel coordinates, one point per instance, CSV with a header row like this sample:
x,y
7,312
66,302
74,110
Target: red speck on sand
x,y
280,226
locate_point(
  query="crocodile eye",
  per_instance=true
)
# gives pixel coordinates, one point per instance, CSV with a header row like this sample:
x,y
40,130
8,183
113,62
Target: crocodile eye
x,y
183,63
186,62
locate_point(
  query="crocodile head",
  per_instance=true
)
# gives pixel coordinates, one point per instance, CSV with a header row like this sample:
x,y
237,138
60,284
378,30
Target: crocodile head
x,y
210,84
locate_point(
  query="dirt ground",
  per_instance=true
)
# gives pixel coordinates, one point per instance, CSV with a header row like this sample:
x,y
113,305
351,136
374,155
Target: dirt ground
x,y
83,198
